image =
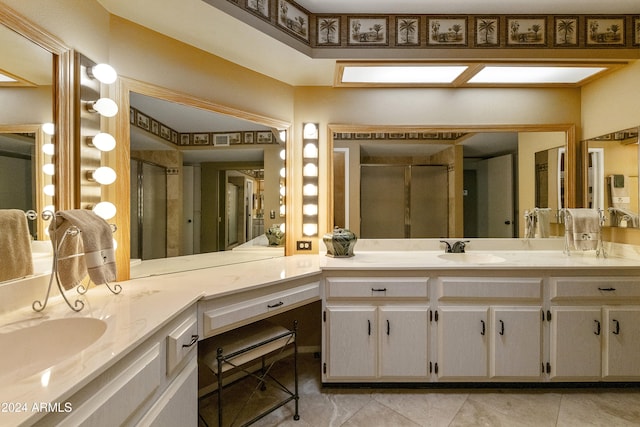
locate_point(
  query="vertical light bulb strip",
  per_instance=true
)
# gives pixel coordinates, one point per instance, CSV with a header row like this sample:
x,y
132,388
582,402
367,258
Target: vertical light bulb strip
x,y
310,141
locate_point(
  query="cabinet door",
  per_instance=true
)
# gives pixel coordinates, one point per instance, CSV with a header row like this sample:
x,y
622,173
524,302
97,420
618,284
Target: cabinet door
x,y
621,342
462,342
351,341
403,333
516,342
576,341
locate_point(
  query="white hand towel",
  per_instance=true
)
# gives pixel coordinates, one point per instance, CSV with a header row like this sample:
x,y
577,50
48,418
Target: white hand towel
x,y
15,245
582,228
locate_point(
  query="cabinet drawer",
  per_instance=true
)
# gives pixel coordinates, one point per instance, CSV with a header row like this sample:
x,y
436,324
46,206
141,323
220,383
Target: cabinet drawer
x,y
490,288
377,287
180,342
218,318
595,287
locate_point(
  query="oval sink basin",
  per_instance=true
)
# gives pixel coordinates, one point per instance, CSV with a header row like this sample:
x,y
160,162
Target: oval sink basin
x,y
472,258
29,350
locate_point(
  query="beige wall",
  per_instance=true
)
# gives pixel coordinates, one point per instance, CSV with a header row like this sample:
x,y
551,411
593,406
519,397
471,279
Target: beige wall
x,y
612,103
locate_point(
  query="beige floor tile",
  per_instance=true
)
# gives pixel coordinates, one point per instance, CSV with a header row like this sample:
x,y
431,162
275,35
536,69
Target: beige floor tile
x,y
424,407
600,408
377,414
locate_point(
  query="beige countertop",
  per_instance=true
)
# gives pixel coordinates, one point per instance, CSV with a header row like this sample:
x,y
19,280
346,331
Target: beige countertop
x,y
146,304
142,308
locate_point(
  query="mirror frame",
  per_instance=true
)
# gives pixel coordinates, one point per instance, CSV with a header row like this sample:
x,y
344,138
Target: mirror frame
x,y
63,103
119,194
570,147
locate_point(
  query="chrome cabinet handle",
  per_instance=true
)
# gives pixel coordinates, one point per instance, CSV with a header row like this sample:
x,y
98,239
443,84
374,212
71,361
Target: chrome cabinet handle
x,y
194,339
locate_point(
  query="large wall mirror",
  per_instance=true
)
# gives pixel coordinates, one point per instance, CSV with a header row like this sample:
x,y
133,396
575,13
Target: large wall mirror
x,y
611,177
33,79
203,179
396,182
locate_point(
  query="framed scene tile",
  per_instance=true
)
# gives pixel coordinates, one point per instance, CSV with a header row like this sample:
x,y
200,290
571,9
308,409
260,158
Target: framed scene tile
x,y
447,31
526,31
487,31
605,31
293,19
407,31
328,30
565,31
368,31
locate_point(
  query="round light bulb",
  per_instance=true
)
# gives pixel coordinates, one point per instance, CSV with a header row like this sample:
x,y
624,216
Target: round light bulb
x,y
282,227
105,210
283,191
115,244
283,135
104,175
105,107
283,154
310,131
283,172
48,169
310,190
49,189
310,209
283,210
104,73
104,142
310,229
310,151
48,128
49,149
310,170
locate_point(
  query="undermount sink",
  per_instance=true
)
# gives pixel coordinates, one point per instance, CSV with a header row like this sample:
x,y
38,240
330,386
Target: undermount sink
x,y
472,258
29,350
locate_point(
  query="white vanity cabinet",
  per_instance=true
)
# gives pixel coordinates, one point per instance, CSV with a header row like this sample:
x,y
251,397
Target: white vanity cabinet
x,y
489,329
375,329
156,384
594,330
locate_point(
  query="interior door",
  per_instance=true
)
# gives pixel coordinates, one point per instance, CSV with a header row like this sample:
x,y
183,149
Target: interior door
x,y
500,196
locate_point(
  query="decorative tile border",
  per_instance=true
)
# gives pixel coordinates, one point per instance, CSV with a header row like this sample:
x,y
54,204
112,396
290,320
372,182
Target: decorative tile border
x,y
446,31
430,136
199,139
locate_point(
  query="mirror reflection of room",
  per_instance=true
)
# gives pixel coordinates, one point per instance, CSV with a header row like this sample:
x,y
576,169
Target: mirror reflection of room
x,y
200,181
612,177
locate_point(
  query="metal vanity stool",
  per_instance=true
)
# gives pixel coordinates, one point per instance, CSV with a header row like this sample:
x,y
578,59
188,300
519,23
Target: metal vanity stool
x,y
240,349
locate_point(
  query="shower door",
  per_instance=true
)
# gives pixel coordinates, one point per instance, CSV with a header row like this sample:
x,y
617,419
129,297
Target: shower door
x,y
400,201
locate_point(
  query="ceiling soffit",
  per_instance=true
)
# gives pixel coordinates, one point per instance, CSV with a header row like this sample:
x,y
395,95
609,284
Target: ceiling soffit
x,y
465,37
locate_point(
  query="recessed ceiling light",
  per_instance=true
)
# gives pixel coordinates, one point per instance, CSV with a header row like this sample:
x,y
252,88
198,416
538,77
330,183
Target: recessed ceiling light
x,y
534,75
6,79
419,74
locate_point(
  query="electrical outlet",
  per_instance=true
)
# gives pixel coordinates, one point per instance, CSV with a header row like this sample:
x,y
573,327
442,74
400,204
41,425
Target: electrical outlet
x,y
303,245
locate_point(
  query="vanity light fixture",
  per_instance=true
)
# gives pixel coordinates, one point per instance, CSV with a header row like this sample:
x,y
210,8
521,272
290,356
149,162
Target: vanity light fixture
x,y
49,190
310,136
102,141
104,106
283,154
310,170
48,169
49,149
310,229
283,135
310,151
310,131
103,175
310,209
310,190
105,210
283,172
48,128
104,73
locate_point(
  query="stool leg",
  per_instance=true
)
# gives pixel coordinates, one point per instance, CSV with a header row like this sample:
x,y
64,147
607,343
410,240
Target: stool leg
x,y
295,368
263,383
219,357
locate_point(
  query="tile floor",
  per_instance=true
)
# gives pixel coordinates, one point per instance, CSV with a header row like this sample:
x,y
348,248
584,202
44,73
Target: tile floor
x,y
428,407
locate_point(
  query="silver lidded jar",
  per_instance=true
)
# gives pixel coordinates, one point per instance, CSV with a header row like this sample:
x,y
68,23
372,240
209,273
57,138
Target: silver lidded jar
x,y
340,243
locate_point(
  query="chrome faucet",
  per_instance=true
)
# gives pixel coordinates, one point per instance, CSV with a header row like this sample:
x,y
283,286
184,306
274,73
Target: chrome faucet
x,y
456,248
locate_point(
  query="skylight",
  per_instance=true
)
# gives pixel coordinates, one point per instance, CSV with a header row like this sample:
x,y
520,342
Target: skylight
x,y
6,79
533,75
418,74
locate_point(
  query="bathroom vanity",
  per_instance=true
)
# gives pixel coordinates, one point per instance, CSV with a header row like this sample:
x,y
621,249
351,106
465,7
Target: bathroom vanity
x,y
504,316
406,314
